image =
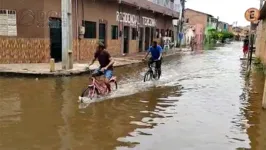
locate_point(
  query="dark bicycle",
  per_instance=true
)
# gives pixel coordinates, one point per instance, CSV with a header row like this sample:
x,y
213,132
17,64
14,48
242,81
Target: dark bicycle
x,y
152,73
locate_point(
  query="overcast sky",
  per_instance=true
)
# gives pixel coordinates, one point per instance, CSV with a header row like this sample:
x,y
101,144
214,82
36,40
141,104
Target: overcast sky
x,y
228,10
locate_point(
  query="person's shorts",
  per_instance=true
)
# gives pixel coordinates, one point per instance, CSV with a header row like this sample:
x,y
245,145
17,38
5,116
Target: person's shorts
x,y
245,49
107,73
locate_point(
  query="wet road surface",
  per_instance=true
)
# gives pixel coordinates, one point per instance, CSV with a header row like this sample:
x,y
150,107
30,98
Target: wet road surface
x,y
202,101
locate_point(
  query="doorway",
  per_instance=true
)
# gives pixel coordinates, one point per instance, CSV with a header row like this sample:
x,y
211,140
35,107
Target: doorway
x,y
141,40
102,33
152,34
55,39
126,39
147,38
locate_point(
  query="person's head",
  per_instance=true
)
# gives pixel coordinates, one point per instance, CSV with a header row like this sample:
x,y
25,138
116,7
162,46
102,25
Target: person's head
x,y
246,36
154,44
101,46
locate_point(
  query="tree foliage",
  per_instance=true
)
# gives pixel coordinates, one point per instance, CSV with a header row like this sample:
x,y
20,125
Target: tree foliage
x,y
215,35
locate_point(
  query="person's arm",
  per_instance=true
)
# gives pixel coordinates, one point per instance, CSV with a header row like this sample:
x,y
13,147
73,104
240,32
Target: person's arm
x,y
147,54
161,52
110,63
92,62
94,59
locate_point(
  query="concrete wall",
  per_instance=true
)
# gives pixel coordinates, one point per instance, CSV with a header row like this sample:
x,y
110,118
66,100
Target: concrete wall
x,y
261,42
199,33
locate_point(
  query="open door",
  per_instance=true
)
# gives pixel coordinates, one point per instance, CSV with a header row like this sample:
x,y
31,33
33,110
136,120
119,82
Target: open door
x,y
126,39
55,39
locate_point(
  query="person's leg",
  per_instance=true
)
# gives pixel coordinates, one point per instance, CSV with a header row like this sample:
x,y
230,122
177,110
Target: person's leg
x,y
108,74
96,72
158,66
150,62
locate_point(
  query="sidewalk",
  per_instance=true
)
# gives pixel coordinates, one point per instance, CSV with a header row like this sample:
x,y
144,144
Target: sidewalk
x,y
43,69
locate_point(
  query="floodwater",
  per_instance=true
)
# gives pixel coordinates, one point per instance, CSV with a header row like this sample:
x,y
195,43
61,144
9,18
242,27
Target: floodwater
x,y
202,102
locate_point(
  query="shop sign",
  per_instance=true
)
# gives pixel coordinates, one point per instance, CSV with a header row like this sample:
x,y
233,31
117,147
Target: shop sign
x,y
133,20
149,21
252,14
8,22
127,18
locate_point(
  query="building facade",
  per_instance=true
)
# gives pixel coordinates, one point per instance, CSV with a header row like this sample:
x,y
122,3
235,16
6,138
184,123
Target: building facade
x,y
201,22
222,26
260,41
31,30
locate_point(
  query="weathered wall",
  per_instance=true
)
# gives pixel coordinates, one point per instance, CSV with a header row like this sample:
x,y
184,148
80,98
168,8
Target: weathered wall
x,y
196,17
199,32
261,42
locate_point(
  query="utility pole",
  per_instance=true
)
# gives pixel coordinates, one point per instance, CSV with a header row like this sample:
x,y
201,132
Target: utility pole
x,y
217,23
181,20
67,34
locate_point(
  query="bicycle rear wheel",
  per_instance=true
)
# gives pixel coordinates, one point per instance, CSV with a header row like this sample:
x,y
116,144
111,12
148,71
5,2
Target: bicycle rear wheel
x,y
113,85
148,76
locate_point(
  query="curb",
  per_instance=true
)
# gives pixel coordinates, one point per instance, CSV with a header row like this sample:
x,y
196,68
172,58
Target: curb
x,y
64,73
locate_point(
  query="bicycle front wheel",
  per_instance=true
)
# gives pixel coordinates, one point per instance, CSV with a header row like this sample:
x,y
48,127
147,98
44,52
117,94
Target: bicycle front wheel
x,y
148,76
89,92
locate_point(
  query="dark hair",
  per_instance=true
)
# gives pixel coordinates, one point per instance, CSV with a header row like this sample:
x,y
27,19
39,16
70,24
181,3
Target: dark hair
x,y
155,42
101,45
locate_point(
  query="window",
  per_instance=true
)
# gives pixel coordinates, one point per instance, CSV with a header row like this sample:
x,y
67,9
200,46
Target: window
x,y
157,33
134,33
114,32
90,29
162,33
170,33
167,33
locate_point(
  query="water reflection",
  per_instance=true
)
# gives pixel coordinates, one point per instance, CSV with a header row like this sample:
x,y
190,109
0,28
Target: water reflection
x,y
255,116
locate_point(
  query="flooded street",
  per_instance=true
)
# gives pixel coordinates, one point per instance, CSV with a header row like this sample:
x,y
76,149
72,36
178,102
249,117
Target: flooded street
x,y
202,101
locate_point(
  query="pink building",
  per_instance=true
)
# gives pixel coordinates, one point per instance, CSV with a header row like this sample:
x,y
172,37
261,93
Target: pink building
x,y
199,33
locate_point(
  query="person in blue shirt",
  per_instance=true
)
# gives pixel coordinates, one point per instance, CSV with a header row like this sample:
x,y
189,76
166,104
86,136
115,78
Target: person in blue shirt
x,y
156,56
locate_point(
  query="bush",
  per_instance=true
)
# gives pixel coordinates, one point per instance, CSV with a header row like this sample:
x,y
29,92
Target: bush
x,y
221,36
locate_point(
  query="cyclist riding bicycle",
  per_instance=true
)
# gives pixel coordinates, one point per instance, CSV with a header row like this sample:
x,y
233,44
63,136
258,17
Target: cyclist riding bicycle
x,y
156,56
106,64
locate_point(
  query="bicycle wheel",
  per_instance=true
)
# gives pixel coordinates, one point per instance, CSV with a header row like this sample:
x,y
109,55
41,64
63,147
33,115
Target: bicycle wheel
x,y
113,85
89,92
148,76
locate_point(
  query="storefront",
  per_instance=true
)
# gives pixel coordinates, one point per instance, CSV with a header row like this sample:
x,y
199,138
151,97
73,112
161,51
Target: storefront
x,y
33,35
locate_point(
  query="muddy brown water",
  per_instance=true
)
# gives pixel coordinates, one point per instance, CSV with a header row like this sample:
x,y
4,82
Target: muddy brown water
x,y
202,101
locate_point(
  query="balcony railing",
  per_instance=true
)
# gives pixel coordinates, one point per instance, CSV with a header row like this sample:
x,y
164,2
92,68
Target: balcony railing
x,y
168,4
